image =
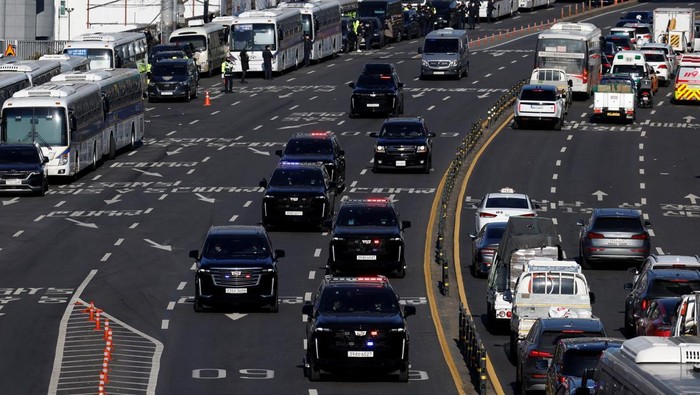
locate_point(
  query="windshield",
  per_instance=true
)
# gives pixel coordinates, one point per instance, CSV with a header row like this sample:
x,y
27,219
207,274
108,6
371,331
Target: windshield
x,y
198,42
576,361
494,233
375,81
689,74
354,299
623,33
504,202
296,177
43,125
539,94
367,216
99,58
309,147
401,130
561,53
226,246
433,45
649,57
662,287
19,155
253,36
170,72
627,69
371,8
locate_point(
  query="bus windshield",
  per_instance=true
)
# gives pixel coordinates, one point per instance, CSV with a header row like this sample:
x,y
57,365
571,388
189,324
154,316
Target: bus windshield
x,y
198,42
561,53
100,58
371,8
43,125
253,36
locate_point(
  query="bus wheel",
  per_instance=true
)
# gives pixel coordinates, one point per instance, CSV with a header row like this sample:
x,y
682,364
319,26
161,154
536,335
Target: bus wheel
x,y
112,147
93,165
132,142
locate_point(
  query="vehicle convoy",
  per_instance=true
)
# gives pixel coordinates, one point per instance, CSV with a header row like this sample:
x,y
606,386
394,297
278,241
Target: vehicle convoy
x,y
548,288
675,26
539,103
524,239
236,266
557,78
615,98
356,323
445,52
403,143
686,319
687,84
321,147
377,93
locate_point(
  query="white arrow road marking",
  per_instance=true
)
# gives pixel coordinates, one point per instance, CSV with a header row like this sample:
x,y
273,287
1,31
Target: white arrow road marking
x,y
688,118
692,198
285,95
148,173
599,195
114,199
484,95
235,316
259,152
419,94
85,224
158,246
297,126
175,151
204,198
11,201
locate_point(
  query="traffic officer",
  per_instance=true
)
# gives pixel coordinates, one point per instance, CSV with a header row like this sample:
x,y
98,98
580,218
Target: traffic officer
x,y
227,74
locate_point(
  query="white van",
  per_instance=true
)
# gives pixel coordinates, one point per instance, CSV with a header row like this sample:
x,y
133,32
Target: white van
x,y
445,52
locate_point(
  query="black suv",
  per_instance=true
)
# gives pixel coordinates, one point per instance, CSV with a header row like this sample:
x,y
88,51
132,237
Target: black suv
x,y
377,93
356,323
403,143
298,193
321,147
367,236
23,169
173,78
187,48
237,266
655,284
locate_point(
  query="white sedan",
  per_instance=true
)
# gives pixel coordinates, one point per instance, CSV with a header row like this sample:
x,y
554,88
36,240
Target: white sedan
x,y
497,207
661,64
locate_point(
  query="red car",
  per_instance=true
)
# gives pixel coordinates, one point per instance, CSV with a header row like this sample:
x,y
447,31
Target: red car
x,y
656,319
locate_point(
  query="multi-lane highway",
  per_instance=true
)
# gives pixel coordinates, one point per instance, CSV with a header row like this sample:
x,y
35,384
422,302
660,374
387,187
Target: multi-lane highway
x,y
119,237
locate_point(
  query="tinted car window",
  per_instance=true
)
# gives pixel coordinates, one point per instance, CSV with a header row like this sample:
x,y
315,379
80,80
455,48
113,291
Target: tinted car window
x,y
661,287
617,224
370,80
309,146
219,247
494,233
401,130
19,156
291,177
506,202
654,58
549,339
367,216
441,45
350,300
177,72
538,94
576,361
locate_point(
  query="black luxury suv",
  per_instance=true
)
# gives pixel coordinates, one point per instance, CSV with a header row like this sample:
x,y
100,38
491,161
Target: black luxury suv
x,y
173,78
321,147
356,323
298,193
23,169
237,266
404,143
367,236
377,93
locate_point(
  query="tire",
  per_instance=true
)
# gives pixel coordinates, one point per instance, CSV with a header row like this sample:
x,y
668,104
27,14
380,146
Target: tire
x,y
275,307
132,140
375,168
112,148
428,166
188,96
559,124
516,124
403,374
93,165
401,273
314,374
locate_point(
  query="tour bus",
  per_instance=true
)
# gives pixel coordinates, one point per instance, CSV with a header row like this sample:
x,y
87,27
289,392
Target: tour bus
x,y
111,50
687,84
320,20
501,8
69,63
532,4
122,96
210,44
388,12
35,71
575,48
280,28
65,119
650,365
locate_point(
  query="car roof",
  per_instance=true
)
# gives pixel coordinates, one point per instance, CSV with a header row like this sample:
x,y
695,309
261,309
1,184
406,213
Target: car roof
x,y
237,230
542,87
506,195
403,120
616,212
324,135
669,259
585,324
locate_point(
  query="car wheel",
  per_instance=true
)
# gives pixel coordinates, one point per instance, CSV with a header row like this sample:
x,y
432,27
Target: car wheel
x,y
375,168
188,96
401,273
428,166
559,124
403,374
516,124
314,374
93,165
275,306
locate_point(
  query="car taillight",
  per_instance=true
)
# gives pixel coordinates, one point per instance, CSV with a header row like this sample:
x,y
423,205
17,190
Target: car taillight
x,y
540,354
487,251
641,236
662,66
487,215
585,76
527,215
647,36
593,235
644,304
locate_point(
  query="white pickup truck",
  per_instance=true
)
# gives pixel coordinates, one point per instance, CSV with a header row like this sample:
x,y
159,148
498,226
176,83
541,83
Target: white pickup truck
x,y
556,289
615,97
557,78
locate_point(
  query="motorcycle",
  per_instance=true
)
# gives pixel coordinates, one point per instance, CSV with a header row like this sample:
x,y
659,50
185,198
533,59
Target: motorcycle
x,y
645,97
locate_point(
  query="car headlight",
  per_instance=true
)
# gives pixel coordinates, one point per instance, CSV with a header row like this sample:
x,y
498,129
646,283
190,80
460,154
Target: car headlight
x,y
202,270
422,148
379,148
269,197
453,63
63,160
425,63
184,83
337,239
319,329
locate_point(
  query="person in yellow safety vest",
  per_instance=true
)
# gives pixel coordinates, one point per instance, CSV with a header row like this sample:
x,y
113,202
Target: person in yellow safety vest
x,y
355,35
227,74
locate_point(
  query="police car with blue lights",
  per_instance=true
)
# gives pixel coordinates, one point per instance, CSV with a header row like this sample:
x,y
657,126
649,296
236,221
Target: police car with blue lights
x,y
298,193
356,323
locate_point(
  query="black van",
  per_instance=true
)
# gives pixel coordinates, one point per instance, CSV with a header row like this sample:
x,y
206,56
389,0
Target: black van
x,y
173,78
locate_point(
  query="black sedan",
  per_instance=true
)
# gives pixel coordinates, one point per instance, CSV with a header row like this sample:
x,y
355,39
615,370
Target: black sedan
x,y
484,246
403,143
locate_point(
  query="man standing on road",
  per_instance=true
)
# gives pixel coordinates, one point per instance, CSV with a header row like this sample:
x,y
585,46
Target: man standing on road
x,y
489,10
267,62
245,62
227,74
473,14
307,50
369,32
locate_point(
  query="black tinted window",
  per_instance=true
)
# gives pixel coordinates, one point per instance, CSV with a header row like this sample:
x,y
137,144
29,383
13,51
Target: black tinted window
x,y
618,224
366,216
294,177
401,130
222,247
309,146
654,57
549,339
660,288
538,94
576,361
433,45
371,80
505,202
494,233
367,299
29,156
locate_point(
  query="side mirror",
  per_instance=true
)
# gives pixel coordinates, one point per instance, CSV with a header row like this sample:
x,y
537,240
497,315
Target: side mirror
x,y
45,160
647,224
473,236
194,254
420,50
352,85
432,134
405,224
628,286
591,296
307,308
278,153
580,222
263,183
538,207
374,135
279,254
409,310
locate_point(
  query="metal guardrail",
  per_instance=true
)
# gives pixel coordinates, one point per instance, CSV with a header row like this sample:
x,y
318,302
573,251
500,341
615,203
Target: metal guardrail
x,y
472,349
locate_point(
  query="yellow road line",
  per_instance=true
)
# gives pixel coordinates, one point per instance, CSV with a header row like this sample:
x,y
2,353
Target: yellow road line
x,y
455,249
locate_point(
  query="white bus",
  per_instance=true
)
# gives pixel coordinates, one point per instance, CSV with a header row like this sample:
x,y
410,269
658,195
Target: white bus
x,y
532,4
69,63
110,50
575,48
320,20
280,28
36,72
501,8
11,83
122,95
210,43
65,119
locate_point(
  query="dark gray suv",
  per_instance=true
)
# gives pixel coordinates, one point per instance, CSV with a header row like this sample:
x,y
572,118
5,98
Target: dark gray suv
x,y
614,234
23,169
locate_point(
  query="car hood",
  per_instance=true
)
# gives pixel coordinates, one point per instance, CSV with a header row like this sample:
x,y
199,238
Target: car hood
x,y
401,141
368,231
19,167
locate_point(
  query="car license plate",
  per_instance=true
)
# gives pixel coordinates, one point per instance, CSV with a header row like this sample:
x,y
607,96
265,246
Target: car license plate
x,y
535,107
438,72
236,290
613,114
294,213
13,182
166,93
366,257
372,104
617,242
361,354
400,163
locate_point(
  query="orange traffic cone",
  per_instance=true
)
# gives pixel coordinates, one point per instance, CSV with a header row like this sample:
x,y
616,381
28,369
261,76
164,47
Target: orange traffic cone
x,y
207,100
